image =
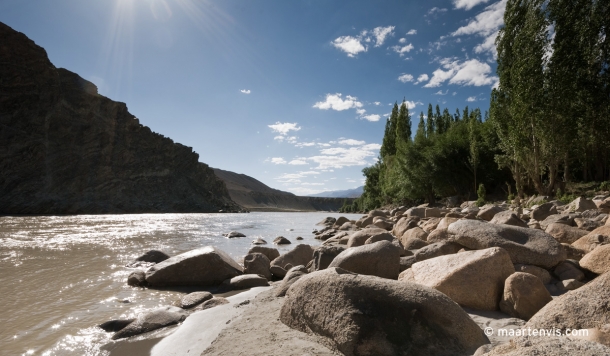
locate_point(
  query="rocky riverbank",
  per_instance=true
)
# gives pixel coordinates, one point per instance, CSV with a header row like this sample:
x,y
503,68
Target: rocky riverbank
x,y
423,280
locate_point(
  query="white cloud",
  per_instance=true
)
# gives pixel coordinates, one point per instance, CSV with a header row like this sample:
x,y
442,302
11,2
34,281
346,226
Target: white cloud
x,y
278,160
297,175
339,157
360,111
467,4
471,98
440,92
305,144
485,24
422,78
372,117
436,10
405,78
402,40
284,128
412,32
350,45
296,162
377,103
471,72
351,142
312,183
381,33
403,49
412,104
335,102
245,91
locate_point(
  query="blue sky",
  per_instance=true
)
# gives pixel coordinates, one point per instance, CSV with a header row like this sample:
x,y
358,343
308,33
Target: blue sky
x,y
293,93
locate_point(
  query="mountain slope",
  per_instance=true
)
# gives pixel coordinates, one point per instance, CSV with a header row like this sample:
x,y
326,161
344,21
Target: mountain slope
x,y
254,195
348,193
68,150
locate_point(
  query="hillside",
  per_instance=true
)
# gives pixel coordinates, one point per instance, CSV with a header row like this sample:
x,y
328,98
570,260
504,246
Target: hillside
x,y
68,150
348,193
256,196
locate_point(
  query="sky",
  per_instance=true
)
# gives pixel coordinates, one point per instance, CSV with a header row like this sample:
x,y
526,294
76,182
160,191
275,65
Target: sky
x,y
293,93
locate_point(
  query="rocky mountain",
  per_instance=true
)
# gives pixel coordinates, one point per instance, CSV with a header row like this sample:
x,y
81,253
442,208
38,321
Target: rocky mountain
x,y
65,149
256,196
348,193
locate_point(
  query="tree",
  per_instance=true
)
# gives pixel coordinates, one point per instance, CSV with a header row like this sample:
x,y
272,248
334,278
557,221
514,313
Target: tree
x,y
430,127
388,146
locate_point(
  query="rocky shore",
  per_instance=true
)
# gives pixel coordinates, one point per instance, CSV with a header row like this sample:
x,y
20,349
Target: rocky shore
x,y
426,280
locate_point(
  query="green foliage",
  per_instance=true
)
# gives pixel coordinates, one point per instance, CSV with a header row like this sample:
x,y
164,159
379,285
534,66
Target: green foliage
x,y
481,193
605,185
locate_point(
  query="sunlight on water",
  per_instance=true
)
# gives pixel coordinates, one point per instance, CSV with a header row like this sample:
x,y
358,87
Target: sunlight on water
x,y
63,275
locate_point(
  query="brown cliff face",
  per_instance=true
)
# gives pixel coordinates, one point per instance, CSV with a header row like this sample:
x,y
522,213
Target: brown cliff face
x,y
65,149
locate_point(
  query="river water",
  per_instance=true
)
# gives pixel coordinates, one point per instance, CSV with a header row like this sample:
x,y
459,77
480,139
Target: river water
x,y
62,275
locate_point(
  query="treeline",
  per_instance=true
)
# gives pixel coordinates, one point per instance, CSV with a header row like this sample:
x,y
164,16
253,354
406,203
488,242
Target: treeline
x,y
548,123
551,111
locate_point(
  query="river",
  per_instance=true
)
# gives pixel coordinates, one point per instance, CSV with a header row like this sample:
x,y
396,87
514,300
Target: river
x,y
60,276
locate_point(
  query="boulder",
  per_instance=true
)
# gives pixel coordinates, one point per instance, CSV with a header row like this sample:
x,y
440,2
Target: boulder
x,y
419,212
381,259
437,249
257,263
568,270
115,325
246,281
541,273
526,246
152,320
328,221
380,237
153,256
487,213
193,299
137,279
406,262
374,213
547,345
299,238
348,226
382,223
324,255
201,267
445,222
587,224
524,295
403,225
438,235
569,284
360,237
473,279
259,241
270,252
586,307
300,255
414,244
281,240
573,253
597,237
543,211
292,276
366,315
233,234
340,221
566,219
604,205
432,213
598,260
277,271
564,233
416,232
214,302
508,218
581,204
430,225
365,221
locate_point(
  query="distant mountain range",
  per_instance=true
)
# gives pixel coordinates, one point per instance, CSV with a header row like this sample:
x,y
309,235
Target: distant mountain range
x,y
349,193
256,196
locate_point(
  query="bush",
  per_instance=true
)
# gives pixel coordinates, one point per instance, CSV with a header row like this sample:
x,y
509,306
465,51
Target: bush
x,y
605,185
481,194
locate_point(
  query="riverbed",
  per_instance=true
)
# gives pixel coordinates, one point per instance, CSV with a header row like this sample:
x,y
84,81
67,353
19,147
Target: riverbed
x,y
62,275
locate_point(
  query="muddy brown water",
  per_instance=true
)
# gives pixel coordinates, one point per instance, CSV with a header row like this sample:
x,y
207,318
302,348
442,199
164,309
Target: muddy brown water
x,y
60,276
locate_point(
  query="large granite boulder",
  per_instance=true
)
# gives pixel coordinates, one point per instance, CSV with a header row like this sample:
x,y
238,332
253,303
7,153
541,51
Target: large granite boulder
x,y
526,246
324,255
597,237
473,279
543,211
564,233
153,256
508,217
257,263
366,315
581,204
414,233
541,273
487,213
300,255
586,307
381,259
402,225
201,267
359,238
598,260
152,320
524,295
293,275
245,281
270,252
437,249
